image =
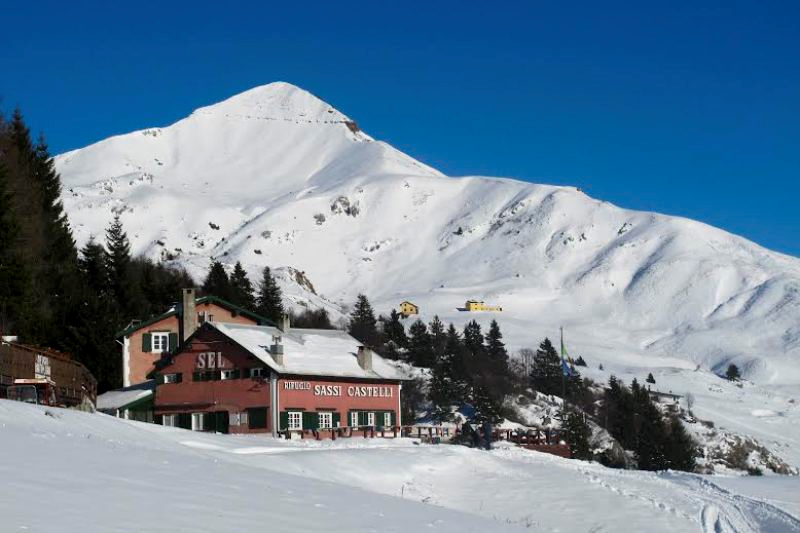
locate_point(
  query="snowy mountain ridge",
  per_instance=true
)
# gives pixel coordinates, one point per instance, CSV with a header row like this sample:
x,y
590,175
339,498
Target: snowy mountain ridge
x,y
275,176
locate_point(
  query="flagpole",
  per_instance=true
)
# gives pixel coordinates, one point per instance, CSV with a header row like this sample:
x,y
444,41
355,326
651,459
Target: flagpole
x,y
563,379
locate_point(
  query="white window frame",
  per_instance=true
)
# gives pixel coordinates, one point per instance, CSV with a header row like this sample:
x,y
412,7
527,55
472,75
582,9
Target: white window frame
x,y
354,419
257,372
387,419
159,341
226,374
325,420
371,419
294,420
169,421
198,421
170,378
243,420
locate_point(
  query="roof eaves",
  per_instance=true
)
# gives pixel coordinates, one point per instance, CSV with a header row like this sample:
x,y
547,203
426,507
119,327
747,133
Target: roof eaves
x,y
262,320
150,321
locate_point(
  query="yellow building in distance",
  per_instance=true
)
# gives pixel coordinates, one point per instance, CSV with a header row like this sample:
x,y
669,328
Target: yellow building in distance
x,y
476,305
407,309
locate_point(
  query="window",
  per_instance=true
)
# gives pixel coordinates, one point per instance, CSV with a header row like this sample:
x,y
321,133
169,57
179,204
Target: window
x,y
353,419
229,374
295,420
160,341
170,420
387,419
257,372
204,316
238,419
172,378
257,417
370,419
325,421
198,421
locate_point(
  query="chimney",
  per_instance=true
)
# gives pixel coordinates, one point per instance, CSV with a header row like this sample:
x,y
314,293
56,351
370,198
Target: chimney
x,y
365,358
188,313
276,350
284,323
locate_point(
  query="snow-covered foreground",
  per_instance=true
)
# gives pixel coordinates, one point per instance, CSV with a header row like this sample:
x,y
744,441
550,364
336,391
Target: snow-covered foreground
x,y
71,471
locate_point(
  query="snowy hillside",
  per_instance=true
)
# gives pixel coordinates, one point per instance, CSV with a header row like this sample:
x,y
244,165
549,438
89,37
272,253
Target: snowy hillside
x,y
275,176
72,471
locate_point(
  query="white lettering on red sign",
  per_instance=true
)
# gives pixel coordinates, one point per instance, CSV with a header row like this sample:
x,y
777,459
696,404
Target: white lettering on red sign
x,y
296,385
211,360
338,390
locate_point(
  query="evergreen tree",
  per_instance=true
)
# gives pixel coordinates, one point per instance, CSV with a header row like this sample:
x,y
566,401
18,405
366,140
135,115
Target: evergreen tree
x,y
438,338
363,325
473,338
495,348
312,318
580,362
241,290
217,282
733,373
118,259
650,378
13,274
269,302
94,266
394,334
420,345
487,408
546,376
681,449
578,435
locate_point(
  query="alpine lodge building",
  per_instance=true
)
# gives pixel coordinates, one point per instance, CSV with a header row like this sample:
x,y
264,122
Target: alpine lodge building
x,y
249,378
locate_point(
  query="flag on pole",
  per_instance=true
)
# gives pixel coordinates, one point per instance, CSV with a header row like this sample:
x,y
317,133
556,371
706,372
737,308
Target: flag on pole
x,y
565,368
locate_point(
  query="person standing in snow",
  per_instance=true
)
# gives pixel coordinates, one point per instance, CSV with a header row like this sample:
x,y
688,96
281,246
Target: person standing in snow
x,y
487,434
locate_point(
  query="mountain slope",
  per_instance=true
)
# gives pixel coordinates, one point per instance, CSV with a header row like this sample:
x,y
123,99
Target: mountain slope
x,y
274,176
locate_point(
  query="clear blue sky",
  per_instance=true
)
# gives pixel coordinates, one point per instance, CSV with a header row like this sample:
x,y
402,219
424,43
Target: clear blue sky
x,y
688,109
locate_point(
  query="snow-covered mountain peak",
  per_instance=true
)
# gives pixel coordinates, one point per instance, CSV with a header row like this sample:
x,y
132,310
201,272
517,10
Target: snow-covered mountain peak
x,y
275,176
277,101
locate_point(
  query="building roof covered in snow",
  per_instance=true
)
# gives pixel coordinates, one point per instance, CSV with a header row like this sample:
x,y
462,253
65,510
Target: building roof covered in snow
x,y
126,397
313,352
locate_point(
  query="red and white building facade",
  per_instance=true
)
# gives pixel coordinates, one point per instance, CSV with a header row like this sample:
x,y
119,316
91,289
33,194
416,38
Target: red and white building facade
x,y
243,378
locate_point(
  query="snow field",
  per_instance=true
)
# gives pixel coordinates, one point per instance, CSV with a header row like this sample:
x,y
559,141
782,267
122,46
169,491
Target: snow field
x,y
70,471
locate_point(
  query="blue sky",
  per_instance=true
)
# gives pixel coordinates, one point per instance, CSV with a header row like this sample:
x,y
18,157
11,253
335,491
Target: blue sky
x,y
690,109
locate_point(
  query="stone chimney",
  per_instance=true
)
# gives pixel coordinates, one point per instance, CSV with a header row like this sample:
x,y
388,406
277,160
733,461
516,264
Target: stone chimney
x,y
284,326
365,358
188,313
276,350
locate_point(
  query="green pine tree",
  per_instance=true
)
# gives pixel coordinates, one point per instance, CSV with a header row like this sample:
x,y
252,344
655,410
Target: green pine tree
x,y
394,333
546,374
363,325
733,373
269,301
241,290
217,282
578,434
420,345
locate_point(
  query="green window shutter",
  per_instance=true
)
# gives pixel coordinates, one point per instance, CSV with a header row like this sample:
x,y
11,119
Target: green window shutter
x,y
257,417
337,419
284,421
147,344
173,342
245,373
394,418
378,419
362,418
310,420
178,377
